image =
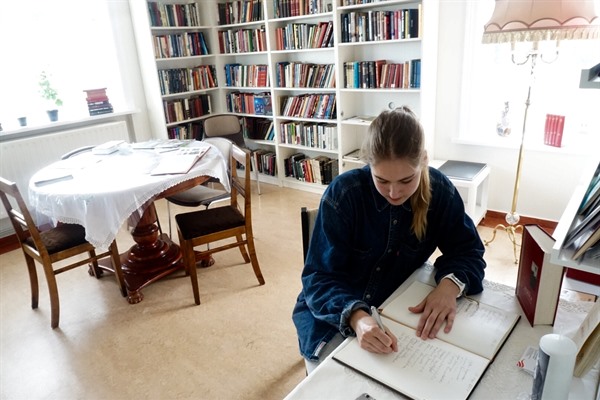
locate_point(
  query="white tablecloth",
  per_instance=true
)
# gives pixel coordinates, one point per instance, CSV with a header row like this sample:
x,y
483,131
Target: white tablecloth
x,y
503,380
108,189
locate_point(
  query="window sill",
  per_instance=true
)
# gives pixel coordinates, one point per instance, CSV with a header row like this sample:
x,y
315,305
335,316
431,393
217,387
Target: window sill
x,y
62,125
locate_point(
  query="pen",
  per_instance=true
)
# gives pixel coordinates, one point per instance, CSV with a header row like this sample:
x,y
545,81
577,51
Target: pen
x,y
375,315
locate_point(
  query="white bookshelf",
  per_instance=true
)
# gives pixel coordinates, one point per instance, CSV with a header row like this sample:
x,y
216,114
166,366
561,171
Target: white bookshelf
x,y
349,102
561,255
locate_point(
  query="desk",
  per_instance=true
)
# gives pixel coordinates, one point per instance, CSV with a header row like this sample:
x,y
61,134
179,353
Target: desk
x,y
107,190
503,379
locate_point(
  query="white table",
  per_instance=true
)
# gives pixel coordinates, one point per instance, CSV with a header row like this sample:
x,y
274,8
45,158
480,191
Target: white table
x,y
107,190
476,198
503,379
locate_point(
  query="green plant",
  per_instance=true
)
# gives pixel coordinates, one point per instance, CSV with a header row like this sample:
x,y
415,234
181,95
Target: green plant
x,y
47,91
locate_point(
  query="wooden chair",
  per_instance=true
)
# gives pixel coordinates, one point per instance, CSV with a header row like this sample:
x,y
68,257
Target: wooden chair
x,y
307,219
228,126
203,195
201,227
48,247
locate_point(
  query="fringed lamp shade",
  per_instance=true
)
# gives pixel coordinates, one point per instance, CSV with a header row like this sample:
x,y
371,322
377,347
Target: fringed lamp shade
x,y
539,20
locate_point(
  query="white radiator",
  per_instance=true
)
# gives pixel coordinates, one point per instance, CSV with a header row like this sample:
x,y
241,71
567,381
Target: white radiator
x,y
21,158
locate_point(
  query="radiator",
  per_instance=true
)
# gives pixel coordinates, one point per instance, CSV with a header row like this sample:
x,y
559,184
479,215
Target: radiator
x,y
21,158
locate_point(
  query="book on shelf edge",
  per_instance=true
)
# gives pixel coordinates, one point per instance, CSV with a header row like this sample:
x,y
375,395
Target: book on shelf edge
x,y
539,280
452,362
464,170
587,340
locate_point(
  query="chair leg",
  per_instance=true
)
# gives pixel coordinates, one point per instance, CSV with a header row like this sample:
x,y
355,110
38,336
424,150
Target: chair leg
x,y
33,281
189,261
254,260
116,261
255,168
169,216
53,292
242,248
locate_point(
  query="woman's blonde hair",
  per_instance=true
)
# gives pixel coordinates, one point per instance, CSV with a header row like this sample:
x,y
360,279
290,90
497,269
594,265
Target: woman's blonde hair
x,y
398,134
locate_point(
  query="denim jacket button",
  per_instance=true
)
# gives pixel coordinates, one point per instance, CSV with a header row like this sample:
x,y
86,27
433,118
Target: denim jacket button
x,y
395,222
368,296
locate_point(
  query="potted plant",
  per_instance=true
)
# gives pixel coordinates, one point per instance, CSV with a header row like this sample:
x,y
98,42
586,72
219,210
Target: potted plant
x,y
51,95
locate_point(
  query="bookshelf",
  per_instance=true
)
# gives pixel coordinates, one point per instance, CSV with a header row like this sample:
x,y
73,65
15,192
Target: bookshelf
x,y
295,43
563,255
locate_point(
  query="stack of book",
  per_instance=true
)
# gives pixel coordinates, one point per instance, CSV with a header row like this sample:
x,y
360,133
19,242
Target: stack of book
x,y
97,101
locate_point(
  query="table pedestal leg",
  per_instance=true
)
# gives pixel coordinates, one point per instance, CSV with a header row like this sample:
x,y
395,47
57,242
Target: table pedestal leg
x,y
153,256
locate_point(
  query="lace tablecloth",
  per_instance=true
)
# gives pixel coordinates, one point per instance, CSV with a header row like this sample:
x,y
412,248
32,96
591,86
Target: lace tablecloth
x,y
503,380
106,190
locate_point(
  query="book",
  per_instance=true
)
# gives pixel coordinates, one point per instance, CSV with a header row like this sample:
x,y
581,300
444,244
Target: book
x,y
587,340
108,147
427,369
179,162
464,170
538,279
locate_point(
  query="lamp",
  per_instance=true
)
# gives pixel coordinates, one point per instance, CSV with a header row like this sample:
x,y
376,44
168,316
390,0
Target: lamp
x,y
534,21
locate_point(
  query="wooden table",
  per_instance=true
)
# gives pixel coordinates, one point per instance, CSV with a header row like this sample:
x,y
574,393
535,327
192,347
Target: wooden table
x,y
106,191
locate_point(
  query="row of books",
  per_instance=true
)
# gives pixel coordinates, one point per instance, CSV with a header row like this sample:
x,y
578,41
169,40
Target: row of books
x,y
374,25
187,108
583,236
97,102
238,12
293,8
305,75
297,36
249,103
317,105
162,14
359,2
180,45
309,134
191,130
258,128
239,75
382,74
234,41
266,162
320,169
553,130
180,80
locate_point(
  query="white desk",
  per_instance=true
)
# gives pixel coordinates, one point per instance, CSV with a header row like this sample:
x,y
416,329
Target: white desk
x,y
503,379
476,199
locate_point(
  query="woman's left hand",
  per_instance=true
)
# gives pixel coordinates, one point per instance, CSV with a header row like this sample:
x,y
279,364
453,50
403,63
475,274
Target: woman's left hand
x,y
437,307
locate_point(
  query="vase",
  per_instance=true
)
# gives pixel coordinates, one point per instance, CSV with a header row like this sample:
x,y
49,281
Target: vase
x,y
53,115
503,124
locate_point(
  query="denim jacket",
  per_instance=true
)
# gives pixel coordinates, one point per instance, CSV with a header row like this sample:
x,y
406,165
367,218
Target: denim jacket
x,y
362,249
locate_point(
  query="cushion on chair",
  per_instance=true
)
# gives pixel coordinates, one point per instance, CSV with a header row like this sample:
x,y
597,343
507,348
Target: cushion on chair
x,y
62,237
203,222
197,196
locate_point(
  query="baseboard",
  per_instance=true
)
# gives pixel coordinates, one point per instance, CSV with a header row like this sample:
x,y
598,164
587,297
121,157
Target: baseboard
x,y
494,218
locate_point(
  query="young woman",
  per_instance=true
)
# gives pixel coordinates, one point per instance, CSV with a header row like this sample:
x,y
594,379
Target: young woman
x,y
374,228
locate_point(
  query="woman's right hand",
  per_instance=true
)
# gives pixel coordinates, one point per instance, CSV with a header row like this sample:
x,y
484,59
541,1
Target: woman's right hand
x,y
369,334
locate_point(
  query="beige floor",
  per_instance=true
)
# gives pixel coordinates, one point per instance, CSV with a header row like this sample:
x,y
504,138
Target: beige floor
x,y
239,343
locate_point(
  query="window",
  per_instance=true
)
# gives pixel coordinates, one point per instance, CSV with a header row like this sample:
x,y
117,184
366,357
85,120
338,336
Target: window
x,y
490,79
72,41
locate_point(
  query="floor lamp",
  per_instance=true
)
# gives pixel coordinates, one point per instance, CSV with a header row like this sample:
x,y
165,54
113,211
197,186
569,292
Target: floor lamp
x,y
534,21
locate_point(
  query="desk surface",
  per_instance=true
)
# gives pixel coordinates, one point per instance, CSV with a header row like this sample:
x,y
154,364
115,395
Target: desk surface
x,y
503,379
107,190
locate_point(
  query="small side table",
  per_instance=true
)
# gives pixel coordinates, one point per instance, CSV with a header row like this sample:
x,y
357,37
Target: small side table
x,y
476,197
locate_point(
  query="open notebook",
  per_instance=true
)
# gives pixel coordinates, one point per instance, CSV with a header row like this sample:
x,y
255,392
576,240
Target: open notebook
x,y
180,161
431,369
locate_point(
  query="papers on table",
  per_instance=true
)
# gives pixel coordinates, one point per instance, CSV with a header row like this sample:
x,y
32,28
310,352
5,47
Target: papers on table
x,y
179,162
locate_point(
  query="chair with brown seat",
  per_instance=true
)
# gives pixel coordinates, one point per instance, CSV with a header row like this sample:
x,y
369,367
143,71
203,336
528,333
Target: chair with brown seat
x,y
50,246
201,227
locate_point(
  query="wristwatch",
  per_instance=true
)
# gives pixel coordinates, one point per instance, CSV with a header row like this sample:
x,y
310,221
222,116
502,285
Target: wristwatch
x,y
458,282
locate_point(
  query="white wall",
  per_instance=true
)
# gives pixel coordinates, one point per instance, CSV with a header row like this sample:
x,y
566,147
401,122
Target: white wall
x,y
548,178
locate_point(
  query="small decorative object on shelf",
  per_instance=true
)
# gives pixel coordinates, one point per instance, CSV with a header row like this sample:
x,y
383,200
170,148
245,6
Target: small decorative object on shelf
x,y
22,121
97,101
50,94
503,125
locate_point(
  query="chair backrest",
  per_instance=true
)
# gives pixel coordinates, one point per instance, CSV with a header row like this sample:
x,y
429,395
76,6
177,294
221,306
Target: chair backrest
x,y
20,217
224,125
77,151
239,187
307,217
223,145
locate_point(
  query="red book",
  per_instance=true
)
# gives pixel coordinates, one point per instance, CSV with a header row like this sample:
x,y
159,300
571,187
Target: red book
x,y
560,125
539,281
